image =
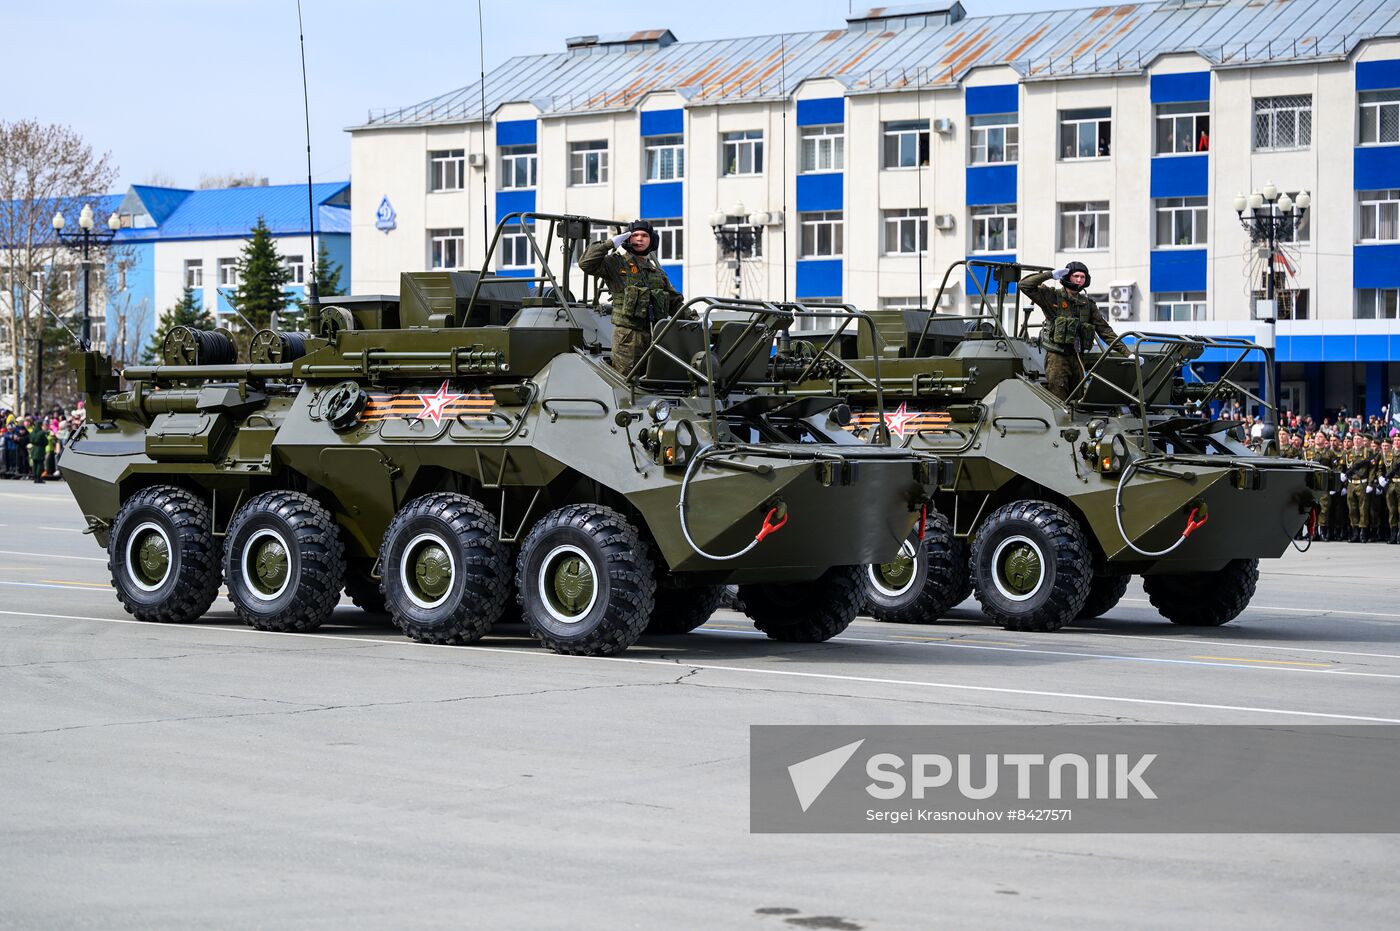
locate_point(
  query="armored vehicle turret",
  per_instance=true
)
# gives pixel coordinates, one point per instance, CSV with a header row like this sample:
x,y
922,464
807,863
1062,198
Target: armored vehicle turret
x,y
462,452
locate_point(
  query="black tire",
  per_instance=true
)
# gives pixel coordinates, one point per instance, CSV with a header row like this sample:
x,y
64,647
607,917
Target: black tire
x,y
169,520
446,576
681,610
1104,594
1031,566
284,562
363,591
806,612
585,581
1204,599
923,582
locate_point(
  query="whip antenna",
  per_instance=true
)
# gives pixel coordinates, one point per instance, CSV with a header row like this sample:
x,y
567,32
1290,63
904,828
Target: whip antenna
x,y
313,294
485,193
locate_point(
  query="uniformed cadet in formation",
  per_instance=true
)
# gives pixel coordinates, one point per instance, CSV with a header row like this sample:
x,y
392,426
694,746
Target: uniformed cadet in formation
x,y
1390,488
1360,479
1072,319
642,295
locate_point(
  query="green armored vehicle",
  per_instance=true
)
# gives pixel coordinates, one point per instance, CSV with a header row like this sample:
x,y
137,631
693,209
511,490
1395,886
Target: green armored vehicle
x,y
464,452
1054,504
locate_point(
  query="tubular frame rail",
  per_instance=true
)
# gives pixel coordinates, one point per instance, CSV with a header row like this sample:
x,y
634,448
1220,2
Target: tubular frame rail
x,y
1005,273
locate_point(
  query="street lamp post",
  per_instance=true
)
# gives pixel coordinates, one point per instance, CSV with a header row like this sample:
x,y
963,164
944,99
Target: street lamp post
x,y
82,242
1268,216
737,232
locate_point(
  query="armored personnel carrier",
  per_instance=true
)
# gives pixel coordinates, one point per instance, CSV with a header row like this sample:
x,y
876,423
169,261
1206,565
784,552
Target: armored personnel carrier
x,y
464,452
1054,504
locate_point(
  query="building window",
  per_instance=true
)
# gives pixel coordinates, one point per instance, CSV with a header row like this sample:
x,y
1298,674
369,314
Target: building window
x,y
519,164
823,235
1379,212
446,168
1282,122
1289,303
670,236
1084,225
995,138
1183,128
906,231
1179,305
665,158
1380,116
901,303
994,228
194,273
228,273
1086,133
447,248
1181,221
296,269
742,152
906,144
588,162
515,250
1377,303
823,148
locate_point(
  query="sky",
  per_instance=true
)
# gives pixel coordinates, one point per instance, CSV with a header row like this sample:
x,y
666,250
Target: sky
x,y
177,90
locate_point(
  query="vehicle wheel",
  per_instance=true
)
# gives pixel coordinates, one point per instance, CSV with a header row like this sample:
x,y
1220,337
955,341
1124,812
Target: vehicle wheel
x,y
806,612
162,556
1204,599
1104,593
284,562
920,584
1031,566
585,581
363,591
681,610
446,576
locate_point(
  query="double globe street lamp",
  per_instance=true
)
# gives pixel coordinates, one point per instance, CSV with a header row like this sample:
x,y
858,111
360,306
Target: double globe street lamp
x,y
738,234
82,242
1270,216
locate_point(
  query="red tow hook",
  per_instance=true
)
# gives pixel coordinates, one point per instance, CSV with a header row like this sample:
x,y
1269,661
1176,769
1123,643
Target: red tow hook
x,y
1312,522
923,521
768,525
1192,525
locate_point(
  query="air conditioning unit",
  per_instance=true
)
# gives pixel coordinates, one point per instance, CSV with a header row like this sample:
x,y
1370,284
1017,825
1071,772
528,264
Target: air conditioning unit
x,y
1121,311
945,300
477,159
943,221
1122,292
943,126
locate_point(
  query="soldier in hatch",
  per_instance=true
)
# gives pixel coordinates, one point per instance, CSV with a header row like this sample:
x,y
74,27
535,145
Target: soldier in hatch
x,y
1072,319
641,293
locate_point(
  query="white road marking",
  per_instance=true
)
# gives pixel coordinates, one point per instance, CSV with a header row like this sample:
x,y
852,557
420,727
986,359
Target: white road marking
x,y
1317,611
64,529
1238,645
747,670
101,559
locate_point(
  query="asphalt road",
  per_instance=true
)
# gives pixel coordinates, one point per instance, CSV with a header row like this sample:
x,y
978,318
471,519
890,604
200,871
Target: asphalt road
x,y
213,776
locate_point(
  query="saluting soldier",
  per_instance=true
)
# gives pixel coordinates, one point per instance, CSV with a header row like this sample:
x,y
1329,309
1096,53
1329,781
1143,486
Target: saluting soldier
x,y
642,295
1072,319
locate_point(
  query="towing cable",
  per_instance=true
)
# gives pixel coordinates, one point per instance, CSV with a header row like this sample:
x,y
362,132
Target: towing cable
x,y
773,521
1192,525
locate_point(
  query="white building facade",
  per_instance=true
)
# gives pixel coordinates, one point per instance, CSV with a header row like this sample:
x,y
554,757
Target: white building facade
x,y
875,156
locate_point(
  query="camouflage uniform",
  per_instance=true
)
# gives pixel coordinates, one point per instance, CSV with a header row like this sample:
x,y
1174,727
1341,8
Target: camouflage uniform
x,y
1071,321
642,295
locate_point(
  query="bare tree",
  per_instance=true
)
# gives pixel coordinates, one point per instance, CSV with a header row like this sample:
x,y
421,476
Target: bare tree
x,y
43,168
231,179
159,178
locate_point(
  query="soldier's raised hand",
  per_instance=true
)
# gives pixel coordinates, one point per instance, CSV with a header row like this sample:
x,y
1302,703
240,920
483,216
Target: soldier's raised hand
x,y
1059,273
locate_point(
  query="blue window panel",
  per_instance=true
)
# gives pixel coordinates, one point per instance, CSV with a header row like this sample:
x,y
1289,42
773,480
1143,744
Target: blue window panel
x,y
1371,347
819,278
1339,348
517,273
508,202
1301,348
823,111
662,200
1376,167
1375,266
515,132
1179,270
820,191
1377,75
1181,88
676,273
1181,176
225,307
663,122
994,184
970,286
995,98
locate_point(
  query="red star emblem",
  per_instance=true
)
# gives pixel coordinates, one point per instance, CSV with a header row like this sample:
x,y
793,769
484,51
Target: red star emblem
x,y
896,420
433,404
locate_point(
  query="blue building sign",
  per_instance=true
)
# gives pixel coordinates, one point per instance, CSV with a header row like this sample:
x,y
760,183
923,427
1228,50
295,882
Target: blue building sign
x,y
384,218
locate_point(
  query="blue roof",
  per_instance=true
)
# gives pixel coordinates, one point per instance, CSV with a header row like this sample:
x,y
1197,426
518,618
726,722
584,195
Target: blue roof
x,y
232,212
160,202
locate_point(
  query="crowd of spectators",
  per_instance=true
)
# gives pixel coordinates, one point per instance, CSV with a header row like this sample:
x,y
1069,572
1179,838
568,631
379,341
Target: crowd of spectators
x,y
31,443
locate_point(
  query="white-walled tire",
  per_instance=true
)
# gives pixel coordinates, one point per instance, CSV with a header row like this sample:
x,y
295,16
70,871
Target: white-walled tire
x,y
284,562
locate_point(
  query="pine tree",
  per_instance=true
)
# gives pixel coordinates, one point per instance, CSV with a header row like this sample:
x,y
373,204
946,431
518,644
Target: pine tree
x,y
262,280
185,312
327,276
